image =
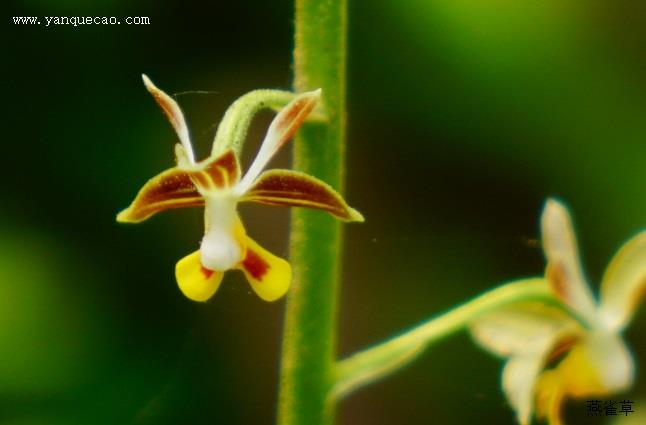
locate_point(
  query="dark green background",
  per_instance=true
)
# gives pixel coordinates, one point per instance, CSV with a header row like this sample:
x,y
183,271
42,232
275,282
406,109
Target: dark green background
x,y
463,117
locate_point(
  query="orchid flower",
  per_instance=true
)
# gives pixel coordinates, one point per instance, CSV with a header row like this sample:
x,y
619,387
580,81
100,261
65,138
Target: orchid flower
x,y
573,348
217,184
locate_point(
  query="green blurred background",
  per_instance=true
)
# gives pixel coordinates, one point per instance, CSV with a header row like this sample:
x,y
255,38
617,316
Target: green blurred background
x,y
463,117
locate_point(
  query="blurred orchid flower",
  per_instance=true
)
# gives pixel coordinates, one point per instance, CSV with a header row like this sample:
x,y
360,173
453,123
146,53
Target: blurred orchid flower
x,y
575,351
217,184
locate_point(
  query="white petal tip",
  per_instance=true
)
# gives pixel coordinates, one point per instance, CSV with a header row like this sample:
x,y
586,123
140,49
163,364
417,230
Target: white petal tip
x,y
152,88
553,207
147,82
316,94
312,96
555,217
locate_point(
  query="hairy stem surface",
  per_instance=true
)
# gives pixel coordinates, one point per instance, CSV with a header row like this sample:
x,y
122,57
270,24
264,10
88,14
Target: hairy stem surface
x,y
309,340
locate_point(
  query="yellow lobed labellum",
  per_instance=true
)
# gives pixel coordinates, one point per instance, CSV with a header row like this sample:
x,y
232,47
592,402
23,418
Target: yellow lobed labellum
x,y
269,276
196,282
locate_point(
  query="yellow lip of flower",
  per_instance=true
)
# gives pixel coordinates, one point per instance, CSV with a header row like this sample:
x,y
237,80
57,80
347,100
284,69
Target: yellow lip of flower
x,y
217,184
585,336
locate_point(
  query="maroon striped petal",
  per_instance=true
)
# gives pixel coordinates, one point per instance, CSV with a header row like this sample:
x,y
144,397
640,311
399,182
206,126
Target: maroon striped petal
x,y
280,131
217,173
179,187
172,188
295,189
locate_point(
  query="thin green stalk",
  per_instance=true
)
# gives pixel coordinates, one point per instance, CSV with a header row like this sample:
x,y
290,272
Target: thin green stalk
x,y
309,338
390,356
232,131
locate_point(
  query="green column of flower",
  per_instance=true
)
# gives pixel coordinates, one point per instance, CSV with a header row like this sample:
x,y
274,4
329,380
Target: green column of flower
x,y
309,341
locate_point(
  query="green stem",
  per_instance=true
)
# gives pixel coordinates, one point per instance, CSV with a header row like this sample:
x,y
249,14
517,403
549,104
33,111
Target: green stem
x,y
387,357
309,340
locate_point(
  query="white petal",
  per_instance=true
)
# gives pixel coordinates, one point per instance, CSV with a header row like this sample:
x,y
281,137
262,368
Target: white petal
x,y
174,115
222,247
613,361
513,329
563,264
599,364
281,130
220,251
624,283
527,333
519,380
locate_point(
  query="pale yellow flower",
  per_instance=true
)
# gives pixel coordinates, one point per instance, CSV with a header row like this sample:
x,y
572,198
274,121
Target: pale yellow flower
x,y
574,349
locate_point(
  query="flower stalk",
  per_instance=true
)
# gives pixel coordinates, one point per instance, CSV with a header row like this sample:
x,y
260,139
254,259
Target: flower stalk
x,y
388,357
309,336
232,130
